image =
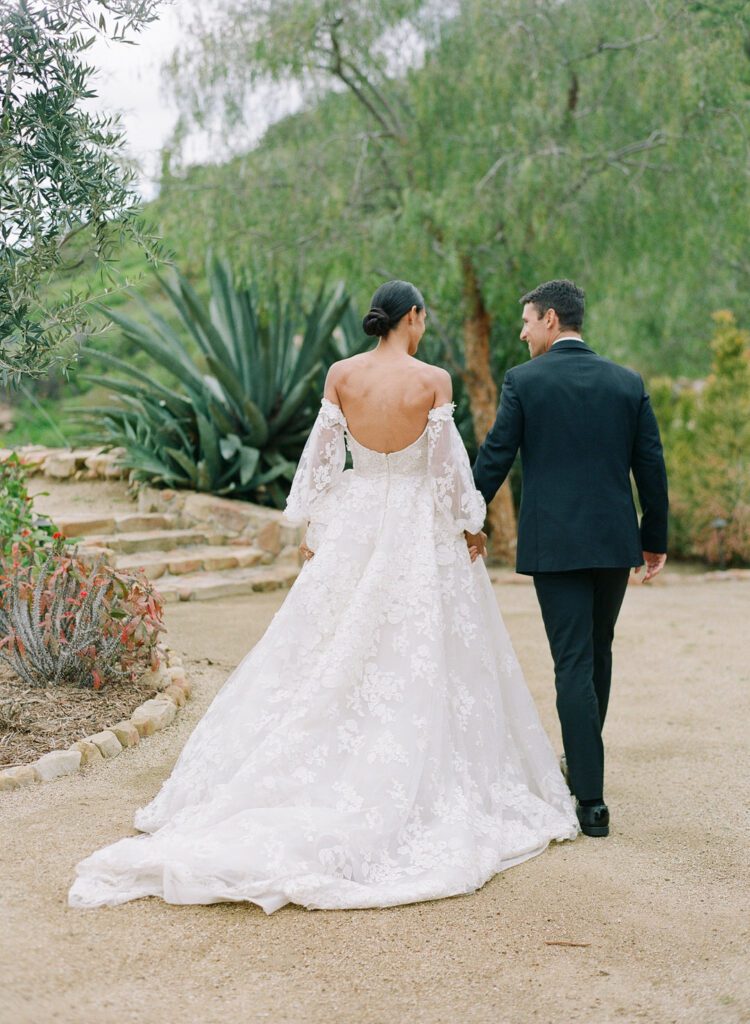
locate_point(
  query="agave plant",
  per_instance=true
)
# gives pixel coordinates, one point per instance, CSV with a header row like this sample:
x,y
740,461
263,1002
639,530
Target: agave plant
x,y
246,391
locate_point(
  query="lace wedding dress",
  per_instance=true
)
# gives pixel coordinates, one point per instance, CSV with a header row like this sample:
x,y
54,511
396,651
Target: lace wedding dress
x,y
378,745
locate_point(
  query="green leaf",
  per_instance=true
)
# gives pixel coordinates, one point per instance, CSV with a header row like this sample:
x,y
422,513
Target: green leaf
x,y
229,446
249,458
296,398
185,462
209,465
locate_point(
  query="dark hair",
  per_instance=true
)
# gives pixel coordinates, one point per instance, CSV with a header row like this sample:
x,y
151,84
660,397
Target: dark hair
x,y
563,296
389,303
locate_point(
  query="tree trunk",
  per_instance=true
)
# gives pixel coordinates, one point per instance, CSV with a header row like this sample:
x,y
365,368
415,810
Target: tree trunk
x,y
483,401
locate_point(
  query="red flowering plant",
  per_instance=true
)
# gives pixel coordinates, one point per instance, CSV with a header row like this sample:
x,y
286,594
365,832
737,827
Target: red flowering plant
x,y
19,524
63,622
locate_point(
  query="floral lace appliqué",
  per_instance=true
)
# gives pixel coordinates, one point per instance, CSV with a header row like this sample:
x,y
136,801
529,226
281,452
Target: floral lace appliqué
x,y
378,745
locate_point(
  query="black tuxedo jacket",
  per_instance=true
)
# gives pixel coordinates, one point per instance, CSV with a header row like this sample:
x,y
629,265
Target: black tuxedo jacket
x,y
582,424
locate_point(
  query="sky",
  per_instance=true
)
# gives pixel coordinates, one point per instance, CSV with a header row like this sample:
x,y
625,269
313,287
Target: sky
x,y
128,81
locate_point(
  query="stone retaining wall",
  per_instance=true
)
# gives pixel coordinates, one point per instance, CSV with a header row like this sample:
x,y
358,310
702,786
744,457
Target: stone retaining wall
x,y
69,464
246,522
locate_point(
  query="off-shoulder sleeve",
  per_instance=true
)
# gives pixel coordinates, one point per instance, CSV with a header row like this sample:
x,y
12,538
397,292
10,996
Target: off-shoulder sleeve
x,y
456,496
320,466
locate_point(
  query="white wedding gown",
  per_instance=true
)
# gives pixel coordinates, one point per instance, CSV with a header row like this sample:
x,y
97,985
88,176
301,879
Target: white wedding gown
x,y
378,745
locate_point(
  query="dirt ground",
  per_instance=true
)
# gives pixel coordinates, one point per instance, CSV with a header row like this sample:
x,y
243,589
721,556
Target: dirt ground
x,y
35,720
660,908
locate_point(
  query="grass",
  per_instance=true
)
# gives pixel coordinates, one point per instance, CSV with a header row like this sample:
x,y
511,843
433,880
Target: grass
x,y
50,422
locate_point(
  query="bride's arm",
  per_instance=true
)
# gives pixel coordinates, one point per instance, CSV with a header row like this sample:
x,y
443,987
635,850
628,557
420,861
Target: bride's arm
x,y
320,466
456,497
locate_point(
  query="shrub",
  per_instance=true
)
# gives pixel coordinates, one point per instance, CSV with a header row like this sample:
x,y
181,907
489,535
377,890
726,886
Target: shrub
x,y
19,524
64,622
707,447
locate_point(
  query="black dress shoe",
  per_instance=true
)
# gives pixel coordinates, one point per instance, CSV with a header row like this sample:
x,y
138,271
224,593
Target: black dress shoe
x,y
594,820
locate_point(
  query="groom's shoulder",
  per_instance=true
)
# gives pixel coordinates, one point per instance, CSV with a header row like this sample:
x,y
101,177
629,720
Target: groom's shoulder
x,y
531,368
546,363
520,370
626,374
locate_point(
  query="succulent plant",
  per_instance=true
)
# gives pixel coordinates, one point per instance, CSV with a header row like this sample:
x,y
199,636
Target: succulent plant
x,y
63,622
246,389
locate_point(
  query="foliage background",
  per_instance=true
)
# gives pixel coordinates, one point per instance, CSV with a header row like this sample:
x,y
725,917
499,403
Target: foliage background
x,y
475,148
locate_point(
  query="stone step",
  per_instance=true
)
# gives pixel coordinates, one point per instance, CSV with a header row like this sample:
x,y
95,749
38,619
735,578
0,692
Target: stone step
x,y
231,582
155,540
191,559
97,525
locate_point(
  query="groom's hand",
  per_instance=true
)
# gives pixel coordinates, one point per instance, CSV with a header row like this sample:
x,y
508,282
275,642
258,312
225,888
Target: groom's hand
x,y
654,564
476,543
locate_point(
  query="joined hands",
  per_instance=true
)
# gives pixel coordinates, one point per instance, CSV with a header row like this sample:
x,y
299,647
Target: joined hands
x,y
477,544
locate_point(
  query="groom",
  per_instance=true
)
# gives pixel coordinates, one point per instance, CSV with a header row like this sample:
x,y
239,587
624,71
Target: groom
x,y
582,424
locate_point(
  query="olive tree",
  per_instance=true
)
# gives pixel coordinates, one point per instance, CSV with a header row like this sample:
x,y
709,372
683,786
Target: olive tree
x,y
61,171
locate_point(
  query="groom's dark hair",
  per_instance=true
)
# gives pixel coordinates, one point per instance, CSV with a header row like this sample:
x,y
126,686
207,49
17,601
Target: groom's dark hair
x,y
563,296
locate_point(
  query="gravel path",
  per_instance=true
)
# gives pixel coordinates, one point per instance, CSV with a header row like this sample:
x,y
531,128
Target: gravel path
x,y
660,907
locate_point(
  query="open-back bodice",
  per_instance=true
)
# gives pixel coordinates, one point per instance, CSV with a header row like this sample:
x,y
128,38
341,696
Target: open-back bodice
x,y
411,461
437,459
408,461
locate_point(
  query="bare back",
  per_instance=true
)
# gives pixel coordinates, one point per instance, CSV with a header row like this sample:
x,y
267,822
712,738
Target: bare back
x,y
386,398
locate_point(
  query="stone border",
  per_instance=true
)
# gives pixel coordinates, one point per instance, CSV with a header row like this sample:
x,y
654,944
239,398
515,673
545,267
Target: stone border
x,y
148,718
240,522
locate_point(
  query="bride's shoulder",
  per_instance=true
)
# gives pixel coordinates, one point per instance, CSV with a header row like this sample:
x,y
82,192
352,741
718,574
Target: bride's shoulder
x,y
441,375
351,360
343,367
429,373
339,371
442,384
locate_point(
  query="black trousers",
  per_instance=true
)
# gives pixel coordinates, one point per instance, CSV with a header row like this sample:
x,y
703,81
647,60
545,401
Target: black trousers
x,y
580,609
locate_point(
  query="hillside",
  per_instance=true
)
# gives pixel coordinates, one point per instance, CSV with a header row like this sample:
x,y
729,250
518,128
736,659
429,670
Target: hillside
x,y
653,239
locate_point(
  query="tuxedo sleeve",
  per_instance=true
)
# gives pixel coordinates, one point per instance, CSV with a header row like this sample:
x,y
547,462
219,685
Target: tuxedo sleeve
x,y
496,455
650,474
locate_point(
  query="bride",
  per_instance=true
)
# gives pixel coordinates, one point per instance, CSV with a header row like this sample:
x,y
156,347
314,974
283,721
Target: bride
x,y
378,745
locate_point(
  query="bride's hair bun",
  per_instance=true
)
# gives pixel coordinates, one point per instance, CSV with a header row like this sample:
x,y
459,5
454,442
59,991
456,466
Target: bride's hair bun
x,y
389,304
376,322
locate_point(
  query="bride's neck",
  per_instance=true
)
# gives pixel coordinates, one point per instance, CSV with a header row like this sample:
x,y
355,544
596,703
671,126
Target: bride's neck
x,y
392,345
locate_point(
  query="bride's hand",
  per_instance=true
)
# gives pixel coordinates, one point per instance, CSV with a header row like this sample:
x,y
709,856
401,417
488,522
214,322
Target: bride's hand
x,y
305,551
477,544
